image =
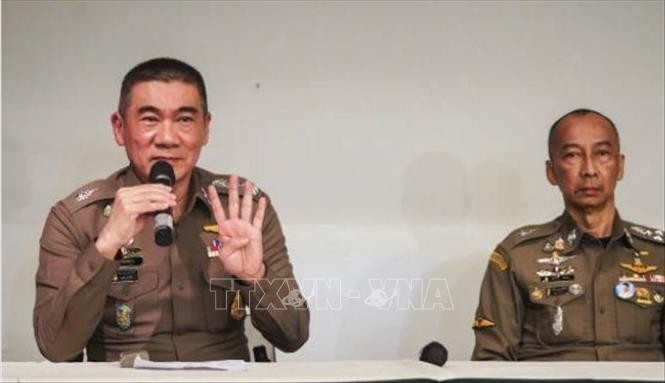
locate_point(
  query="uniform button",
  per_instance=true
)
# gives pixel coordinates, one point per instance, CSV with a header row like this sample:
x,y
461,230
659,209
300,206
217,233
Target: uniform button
x,y
91,266
602,310
180,286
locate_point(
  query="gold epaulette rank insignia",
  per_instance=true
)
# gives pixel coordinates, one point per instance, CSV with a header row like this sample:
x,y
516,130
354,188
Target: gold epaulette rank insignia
x,y
497,259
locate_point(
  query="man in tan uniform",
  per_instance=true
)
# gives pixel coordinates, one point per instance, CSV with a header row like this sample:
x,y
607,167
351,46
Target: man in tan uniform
x,y
586,286
103,285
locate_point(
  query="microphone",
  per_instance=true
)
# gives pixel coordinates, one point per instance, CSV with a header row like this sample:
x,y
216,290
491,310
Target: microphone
x,y
260,354
434,353
162,173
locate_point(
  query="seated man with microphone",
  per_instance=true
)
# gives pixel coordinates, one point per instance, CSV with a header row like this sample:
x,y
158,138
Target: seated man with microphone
x,y
163,256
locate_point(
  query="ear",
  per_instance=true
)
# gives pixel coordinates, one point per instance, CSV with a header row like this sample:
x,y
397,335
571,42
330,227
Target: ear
x,y
622,161
549,172
118,128
206,127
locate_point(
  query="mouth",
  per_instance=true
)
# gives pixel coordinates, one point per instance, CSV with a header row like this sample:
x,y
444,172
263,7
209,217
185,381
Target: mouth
x,y
169,159
588,191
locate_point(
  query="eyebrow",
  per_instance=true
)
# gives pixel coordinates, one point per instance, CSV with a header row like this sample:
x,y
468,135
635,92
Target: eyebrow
x,y
603,143
569,146
154,109
577,146
148,109
188,109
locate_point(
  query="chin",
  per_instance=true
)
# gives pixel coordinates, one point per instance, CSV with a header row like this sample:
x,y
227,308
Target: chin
x,y
591,203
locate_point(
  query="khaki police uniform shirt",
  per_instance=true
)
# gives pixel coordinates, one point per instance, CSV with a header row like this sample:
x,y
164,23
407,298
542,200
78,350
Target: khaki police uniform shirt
x,y
176,303
551,292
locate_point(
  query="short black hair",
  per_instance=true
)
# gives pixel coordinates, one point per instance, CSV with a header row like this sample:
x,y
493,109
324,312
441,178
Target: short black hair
x,y
164,69
578,113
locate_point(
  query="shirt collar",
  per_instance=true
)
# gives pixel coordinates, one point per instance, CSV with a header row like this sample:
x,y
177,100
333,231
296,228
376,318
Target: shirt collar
x,y
197,187
571,234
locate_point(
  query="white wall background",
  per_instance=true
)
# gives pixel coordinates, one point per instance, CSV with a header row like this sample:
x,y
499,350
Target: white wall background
x,y
398,140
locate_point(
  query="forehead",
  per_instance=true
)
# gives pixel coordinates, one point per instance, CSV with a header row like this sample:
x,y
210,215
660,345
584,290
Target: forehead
x,y
170,95
588,129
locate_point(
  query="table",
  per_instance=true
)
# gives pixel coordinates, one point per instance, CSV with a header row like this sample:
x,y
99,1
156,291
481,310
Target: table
x,y
343,371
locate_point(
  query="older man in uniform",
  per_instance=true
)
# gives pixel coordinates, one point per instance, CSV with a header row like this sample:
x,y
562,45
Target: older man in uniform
x,y
105,286
586,286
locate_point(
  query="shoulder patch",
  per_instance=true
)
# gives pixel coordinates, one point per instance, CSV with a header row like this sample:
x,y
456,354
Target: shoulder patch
x,y
482,323
646,233
530,232
89,194
497,259
221,183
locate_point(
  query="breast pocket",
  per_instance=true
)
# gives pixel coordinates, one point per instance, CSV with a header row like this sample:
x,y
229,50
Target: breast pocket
x,y
217,298
559,319
640,321
131,304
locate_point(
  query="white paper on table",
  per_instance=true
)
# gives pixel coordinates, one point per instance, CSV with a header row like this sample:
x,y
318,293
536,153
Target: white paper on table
x,y
225,365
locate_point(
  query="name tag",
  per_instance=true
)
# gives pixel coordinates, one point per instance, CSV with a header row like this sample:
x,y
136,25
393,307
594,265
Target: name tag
x,y
131,261
126,275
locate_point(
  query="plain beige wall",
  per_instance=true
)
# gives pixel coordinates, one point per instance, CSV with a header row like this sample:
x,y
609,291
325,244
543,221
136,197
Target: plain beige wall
x,y
397,140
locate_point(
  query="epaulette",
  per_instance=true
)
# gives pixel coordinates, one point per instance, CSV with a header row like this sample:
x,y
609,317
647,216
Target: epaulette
x,y
89,194
646,233
530,232
221,183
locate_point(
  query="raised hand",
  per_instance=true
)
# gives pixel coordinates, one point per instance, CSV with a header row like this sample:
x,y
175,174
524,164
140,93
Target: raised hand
x,y
241,251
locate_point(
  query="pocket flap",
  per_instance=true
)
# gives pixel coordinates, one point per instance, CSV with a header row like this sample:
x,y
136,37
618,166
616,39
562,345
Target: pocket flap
x,y
538,295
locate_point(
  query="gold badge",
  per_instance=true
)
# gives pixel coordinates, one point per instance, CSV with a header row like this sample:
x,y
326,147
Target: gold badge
x,y
643,296
482,323
237,307
638,267
123,317
499,261
658,298
211,229
559,244
130,251
536,294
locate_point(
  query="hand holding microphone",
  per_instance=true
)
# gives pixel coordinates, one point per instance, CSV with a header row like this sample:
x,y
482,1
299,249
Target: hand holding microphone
x,y
133,208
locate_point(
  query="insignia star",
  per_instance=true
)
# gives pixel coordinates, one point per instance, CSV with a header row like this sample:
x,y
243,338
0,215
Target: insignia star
x,y
84,194
525,232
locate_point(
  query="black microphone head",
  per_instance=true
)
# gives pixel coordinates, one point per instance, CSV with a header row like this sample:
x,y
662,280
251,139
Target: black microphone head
x,y
260,354
161,172
434,353
164,236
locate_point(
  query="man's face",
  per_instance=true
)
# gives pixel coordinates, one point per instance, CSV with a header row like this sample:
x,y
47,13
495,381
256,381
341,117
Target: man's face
x,y
163,121
586,163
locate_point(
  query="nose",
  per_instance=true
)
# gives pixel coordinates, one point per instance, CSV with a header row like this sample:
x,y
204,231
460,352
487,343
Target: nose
x,y
166,135
589,168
